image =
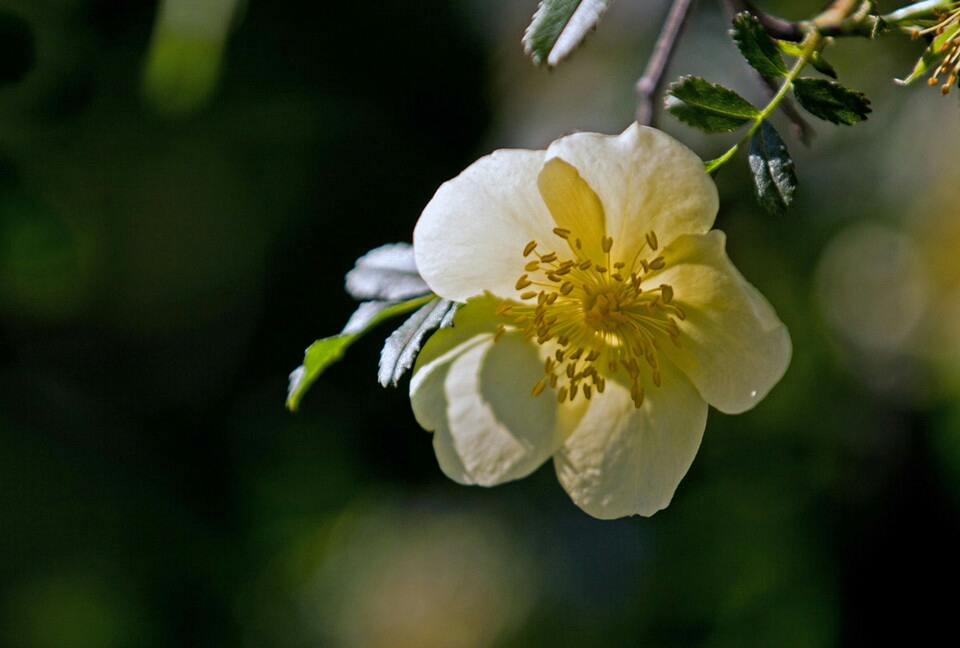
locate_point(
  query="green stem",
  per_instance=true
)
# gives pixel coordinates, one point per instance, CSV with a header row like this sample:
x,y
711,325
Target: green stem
x,y
812,43
916,11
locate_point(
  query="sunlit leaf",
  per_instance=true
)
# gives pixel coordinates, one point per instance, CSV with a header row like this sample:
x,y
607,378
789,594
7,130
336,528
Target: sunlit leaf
x,y
831,101
709,107
387,273
756,46
772,167
559,26
323,353
402,346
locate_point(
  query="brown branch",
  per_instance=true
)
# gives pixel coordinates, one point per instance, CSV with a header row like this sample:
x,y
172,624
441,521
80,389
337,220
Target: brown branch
x,y
650,84
777,27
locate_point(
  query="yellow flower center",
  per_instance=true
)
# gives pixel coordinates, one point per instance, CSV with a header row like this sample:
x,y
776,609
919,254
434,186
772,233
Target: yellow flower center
x,y
599,318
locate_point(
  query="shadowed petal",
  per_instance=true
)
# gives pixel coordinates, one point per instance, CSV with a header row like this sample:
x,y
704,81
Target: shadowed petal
x,y
646,181
474,394
733,346
621,460
574,207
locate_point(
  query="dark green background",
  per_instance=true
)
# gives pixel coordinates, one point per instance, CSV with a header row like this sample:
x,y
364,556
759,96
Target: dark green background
x,y
160,275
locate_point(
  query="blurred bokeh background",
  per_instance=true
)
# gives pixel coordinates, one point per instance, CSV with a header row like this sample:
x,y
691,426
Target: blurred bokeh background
x,y
183,186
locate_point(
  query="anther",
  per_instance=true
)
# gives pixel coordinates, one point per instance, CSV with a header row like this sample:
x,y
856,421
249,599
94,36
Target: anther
x,y
666,293
652,239
529,294
559,355
562,395
586,264
522,282
567,287
539,387
530,247
607,243
499,334
561,232
549,258
679,312
658,263
532,266
503,308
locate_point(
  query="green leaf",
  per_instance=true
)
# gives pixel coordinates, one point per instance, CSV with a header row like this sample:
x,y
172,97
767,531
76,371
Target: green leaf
x,y
559,26
820,65
323,353
789,48
772,167
831,101
402,346
711,108
756,46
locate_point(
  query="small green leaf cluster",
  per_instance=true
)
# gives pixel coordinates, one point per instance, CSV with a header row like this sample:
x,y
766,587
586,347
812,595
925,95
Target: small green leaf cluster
x,y
387,282
716,109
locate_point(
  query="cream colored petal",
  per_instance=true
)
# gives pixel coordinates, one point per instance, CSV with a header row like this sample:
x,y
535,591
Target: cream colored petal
x,y
474,394
733,346
574,207
471,235
621,460
646,181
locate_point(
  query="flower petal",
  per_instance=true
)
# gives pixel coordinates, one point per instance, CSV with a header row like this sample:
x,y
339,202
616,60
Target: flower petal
x,y
621,460
733,346
474,394
471,235
574,207
646,181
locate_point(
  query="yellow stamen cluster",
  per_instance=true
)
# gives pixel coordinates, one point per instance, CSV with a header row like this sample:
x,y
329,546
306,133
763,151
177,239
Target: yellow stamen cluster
x,y
597,317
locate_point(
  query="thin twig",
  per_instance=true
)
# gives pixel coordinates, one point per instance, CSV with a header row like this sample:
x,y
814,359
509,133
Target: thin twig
x,y
650,84
776,27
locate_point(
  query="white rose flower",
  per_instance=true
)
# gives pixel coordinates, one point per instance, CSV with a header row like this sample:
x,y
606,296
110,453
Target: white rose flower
x,y
601,317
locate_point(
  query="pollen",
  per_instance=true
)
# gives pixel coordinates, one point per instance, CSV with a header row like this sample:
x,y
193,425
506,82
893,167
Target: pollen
x,y
595,323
